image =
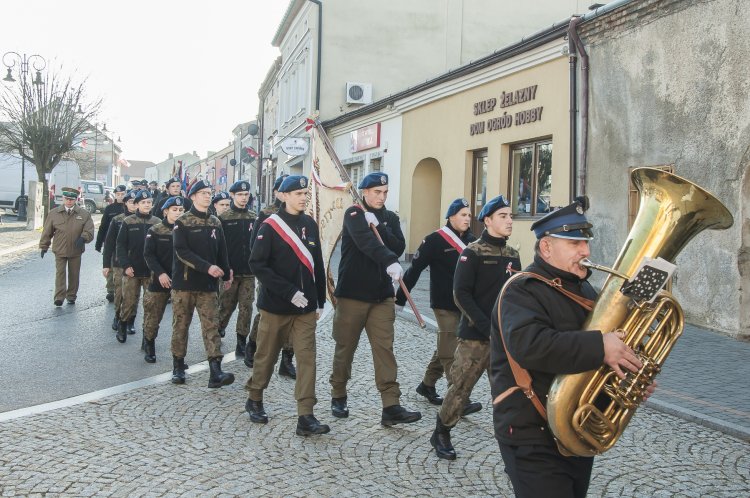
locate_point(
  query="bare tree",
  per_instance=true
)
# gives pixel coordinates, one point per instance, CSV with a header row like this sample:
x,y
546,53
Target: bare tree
x,y
42,121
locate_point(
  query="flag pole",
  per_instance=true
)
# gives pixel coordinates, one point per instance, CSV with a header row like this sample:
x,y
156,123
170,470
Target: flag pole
x,y
315,122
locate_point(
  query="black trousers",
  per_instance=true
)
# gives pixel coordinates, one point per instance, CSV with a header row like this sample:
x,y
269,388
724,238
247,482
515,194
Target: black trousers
x,y
540,470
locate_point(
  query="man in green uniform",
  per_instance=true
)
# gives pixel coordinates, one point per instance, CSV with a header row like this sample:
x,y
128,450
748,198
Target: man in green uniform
x,y
68,228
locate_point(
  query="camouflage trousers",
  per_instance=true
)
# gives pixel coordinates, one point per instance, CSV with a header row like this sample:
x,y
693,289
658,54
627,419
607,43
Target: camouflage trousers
x,y
470,361
110,283
442,358
275,331
254,330
242,293
183,305
154,304
117,277
131,293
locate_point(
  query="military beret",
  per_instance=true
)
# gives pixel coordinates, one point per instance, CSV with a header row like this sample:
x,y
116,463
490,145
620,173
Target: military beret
x,y
376,179
456,206
240,186
219,196
199,185
566,223
171,181
120,188
142,195
153,182
173,201
277,182
292,183
493,205
70,192
130,195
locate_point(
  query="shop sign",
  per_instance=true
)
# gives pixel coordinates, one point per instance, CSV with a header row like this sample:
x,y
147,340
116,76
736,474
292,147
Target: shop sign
x,y
367,137
507,99
294,146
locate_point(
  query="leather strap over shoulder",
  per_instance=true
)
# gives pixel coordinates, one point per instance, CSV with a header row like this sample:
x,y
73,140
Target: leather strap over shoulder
x,y
520,374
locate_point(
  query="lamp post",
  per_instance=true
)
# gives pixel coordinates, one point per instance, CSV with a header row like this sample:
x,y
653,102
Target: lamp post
x,y
10,59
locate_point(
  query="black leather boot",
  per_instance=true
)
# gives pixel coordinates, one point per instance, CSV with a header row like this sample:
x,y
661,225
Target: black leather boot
x,y
222,331
430,393
471,407
122,332
286,367
110,296
178,370
397,414
115,322
339,408
441,441
131,325
217,377
256,411
307,425
150,356
250,350
241,345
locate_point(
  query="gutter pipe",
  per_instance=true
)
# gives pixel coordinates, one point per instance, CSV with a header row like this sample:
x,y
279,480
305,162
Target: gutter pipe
x,y
320,52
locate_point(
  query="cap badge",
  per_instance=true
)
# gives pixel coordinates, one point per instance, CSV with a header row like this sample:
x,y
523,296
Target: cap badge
x,y
383,180
465,203
302,182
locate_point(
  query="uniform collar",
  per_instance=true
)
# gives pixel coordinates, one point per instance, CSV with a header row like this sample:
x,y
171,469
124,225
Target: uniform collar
x,y
199,214
238,209
141,215
459,234
167,224
495,241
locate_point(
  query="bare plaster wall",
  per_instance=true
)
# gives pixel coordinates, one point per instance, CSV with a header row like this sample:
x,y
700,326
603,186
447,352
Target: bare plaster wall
x,y
670,86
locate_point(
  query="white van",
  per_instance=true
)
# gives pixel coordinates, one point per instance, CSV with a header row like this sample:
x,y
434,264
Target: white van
x,y
10,180
65,174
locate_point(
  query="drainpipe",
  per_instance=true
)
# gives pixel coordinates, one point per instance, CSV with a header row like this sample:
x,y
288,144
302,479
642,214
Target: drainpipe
x,y
576,50
320,52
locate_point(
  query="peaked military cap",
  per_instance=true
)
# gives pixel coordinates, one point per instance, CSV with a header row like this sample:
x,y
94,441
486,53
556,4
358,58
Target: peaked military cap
x,y
142,195
456,206
219,196
567,223
173,201
376,179
493,205
240,186
292,183
171,181
278,181
120,188
199,185
70,192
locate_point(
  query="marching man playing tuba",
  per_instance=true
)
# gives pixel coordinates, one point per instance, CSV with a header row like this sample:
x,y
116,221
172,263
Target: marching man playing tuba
x,y
539,336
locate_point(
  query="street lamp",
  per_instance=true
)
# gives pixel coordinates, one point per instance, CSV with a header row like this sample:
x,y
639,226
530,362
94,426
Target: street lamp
x,y
10,59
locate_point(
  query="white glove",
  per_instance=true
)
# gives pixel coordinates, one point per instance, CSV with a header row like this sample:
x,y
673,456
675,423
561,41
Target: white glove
x,y
371,218
395,271
299,300
399,308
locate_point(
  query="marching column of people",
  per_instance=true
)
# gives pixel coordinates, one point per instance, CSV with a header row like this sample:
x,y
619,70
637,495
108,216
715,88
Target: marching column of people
x,y
112,210
110,263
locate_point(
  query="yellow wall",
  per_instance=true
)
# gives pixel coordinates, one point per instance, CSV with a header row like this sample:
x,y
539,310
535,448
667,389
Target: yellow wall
x,y
441,130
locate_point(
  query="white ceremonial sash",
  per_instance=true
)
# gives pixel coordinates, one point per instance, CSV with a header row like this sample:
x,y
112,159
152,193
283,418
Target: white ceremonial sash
x,y
291,238
452,239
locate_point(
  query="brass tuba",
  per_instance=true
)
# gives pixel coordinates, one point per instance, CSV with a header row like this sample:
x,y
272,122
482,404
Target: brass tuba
x,y
588,412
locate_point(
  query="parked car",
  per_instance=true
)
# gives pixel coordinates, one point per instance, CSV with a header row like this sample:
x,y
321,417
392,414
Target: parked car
x,y
93,195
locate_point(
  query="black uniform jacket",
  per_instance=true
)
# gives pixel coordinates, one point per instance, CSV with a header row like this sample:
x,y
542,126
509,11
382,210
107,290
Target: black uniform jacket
x,y
109,250
198,244
280,271
441,257
482,270
238,231
130,241
542,329
264,213
364,259
158,252
109,212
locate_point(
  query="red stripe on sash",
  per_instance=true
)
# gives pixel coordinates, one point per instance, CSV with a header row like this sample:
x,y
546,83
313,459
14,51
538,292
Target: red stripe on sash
x,y
288,239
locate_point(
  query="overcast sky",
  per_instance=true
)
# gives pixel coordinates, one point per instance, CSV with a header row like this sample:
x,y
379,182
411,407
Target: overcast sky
x,y
175,76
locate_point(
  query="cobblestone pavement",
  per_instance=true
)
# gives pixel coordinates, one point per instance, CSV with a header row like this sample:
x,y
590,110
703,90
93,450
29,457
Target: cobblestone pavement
x,y
166,440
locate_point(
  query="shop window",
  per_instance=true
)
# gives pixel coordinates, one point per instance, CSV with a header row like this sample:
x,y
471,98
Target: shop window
x,y
374,165
478,188
531,181
355,173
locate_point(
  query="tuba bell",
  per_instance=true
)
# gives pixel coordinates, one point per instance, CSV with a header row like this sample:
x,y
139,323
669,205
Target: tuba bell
x,y
589,411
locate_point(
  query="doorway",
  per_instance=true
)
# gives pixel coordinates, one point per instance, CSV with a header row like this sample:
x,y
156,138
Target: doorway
x,y
426,194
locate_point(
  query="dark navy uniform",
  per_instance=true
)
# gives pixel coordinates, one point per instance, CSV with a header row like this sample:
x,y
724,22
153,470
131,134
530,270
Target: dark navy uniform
x,y
109,212
441,257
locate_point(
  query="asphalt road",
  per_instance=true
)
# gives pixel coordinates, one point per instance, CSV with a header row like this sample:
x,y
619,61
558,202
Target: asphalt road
x,y
49,353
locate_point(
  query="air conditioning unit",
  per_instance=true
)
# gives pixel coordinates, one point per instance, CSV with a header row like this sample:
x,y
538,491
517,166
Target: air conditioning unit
x,y
358,93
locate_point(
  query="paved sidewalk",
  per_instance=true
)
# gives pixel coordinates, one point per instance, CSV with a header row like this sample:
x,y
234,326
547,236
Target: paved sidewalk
x,y
165,440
